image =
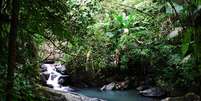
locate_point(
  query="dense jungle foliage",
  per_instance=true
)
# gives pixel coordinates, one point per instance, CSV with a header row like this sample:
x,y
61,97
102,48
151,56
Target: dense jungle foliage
x,y
155,40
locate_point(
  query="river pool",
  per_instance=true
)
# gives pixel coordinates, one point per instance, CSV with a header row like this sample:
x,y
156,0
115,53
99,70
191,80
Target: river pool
x,y
127,95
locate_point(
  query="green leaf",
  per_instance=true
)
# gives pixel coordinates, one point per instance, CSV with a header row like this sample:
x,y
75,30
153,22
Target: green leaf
x,y
186,41
119,18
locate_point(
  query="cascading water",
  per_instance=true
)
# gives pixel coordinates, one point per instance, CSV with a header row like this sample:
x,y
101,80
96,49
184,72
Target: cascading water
x,y
53,74
54,77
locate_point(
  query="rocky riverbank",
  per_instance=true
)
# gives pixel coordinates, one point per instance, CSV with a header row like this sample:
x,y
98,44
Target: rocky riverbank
x,y
55,95
53,76
59,82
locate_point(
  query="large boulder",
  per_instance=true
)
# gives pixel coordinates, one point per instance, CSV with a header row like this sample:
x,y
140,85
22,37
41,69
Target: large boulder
x,y
187,97
44,77
122,85
116,86
152,92
61,69
63,80
54,95
110,86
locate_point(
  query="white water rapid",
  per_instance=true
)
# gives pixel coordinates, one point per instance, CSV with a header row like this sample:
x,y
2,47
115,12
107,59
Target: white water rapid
x,y
54,77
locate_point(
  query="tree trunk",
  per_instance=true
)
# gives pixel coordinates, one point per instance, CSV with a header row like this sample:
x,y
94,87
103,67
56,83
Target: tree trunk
x,y
12,51
196,21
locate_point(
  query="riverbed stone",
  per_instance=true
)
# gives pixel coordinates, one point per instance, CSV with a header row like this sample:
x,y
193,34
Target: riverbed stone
x,y
188,97
152,92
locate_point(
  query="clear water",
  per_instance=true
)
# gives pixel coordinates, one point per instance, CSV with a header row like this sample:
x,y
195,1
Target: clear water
x,y
127,95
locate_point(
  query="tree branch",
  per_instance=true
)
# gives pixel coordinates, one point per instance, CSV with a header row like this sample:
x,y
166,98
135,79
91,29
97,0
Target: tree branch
x,y
173,7
47,38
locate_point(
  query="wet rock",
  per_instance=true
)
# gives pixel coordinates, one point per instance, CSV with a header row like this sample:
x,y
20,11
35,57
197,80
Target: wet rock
x,y
187,97
69,89
152,92
62,80
54,95
122,85
44,77
110,86
116,86
61,69
43,68
143,87
49,61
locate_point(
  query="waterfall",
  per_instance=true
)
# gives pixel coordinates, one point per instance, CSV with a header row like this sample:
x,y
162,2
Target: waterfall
x,y
54,77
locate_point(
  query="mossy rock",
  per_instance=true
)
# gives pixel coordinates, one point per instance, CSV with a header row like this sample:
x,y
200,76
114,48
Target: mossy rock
x,y
53,95
187,97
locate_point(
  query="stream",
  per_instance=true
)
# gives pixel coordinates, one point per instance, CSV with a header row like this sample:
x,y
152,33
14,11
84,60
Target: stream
x,y
127,95
55,72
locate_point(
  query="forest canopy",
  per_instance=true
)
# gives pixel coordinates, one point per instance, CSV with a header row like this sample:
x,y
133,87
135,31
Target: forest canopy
x,y
158,41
